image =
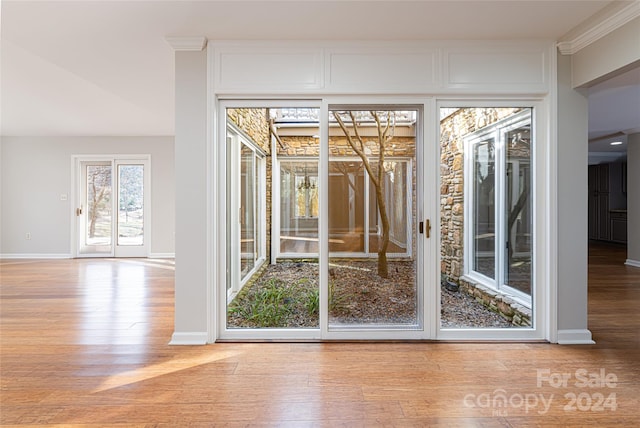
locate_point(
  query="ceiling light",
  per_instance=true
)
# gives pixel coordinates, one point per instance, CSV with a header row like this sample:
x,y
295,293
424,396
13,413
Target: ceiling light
x,y
616,143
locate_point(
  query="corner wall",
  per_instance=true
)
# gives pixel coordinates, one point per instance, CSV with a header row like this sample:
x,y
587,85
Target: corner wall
x,y
572,161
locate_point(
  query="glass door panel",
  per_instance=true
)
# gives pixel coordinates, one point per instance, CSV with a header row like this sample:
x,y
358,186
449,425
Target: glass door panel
x,y
372,270
95,213
272,260
486,218
130,205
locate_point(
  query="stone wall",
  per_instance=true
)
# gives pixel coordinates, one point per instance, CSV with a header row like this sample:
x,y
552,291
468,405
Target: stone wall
x,y
517,314
255,123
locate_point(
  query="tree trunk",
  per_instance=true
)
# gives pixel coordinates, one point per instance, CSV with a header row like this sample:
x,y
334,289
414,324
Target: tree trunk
x,y
513,215
383,269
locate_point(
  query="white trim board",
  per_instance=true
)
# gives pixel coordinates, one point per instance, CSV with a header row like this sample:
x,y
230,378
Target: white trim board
x,y
189,338
575,337
162,256
632,263
35,256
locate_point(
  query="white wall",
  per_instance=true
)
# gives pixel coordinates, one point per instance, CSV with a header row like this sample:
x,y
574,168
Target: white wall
x,y
312,70
36,171
633,200
572,160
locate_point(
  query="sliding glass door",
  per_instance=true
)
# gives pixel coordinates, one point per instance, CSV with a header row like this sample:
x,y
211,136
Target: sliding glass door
x,y
372,218
321,221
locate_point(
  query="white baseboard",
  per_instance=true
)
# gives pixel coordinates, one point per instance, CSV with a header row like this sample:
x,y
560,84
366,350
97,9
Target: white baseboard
x,y
35,256
575,337
189,338
162,255
634,263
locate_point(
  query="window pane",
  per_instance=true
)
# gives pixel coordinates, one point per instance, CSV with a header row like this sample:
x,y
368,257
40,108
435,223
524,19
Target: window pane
x,y
346,206
484,208
247,211
131,205
518,209
298,206
98,224
397,200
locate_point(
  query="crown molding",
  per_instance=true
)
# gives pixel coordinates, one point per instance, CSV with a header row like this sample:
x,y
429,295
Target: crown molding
x,y
195,43
601,29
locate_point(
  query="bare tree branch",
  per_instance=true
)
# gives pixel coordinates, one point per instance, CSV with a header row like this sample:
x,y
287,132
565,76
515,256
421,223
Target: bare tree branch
x,y
360,152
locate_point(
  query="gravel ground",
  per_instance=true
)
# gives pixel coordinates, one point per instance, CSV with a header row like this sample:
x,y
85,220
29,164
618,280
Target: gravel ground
x,y
357,296
461,310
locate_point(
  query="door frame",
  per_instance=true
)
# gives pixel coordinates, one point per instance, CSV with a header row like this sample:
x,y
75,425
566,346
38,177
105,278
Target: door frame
x,y
544,262
76,194
427,162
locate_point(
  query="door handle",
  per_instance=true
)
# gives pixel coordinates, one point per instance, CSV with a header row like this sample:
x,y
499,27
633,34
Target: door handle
x,y
79,211
422,228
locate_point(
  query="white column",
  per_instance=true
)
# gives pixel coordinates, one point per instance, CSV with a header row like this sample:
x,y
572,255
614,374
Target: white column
x,y
572,160
633,200
190,324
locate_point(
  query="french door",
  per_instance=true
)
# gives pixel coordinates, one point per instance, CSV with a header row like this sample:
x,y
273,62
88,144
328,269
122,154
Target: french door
x,y
324,231
111,216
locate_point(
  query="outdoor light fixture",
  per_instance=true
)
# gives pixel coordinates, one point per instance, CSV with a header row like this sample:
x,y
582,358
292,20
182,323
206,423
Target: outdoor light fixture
x,y
616,143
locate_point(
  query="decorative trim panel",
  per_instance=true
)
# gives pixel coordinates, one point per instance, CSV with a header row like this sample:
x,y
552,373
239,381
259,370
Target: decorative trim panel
x,y
398,68
496,70
267,69
376,71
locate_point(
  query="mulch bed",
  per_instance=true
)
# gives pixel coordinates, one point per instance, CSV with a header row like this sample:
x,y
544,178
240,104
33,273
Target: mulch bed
x,y
357,296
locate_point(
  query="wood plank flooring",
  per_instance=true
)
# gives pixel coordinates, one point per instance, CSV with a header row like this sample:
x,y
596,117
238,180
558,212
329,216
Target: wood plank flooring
x,y
84,343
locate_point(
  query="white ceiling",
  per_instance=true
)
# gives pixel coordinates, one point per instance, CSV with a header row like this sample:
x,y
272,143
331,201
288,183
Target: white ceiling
x,y
104,68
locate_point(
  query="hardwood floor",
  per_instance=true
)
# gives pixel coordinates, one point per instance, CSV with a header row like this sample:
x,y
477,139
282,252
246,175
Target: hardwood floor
x,y
84,342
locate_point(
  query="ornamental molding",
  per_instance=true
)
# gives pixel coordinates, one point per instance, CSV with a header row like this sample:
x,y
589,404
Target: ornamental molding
x,y
601,29
194,43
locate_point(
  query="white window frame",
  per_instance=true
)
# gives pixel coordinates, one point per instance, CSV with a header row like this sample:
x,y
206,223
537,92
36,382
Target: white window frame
x,y
259,204
497,132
